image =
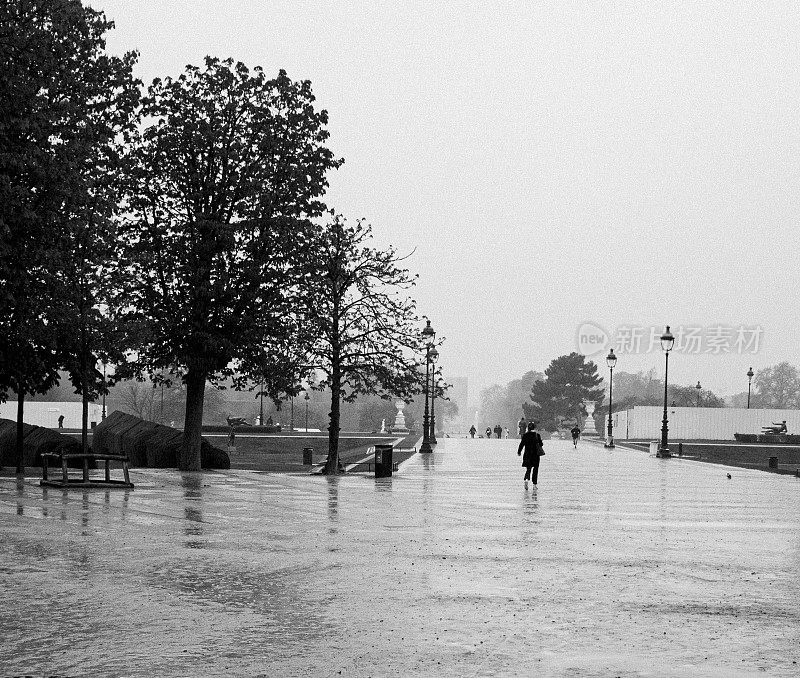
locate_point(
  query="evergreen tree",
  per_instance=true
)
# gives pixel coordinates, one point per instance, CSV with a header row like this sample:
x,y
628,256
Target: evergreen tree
x,y
570,380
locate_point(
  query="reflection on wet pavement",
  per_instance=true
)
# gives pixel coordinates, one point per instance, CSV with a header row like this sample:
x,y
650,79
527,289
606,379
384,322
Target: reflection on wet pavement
x,y
618,564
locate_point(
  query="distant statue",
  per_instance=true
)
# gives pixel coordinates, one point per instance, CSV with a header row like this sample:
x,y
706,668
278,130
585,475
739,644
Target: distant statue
x,y
588,425
775,429
383,425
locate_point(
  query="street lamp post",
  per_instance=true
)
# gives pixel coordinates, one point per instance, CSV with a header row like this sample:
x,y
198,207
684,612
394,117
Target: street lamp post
x,y
428,334
749,381
261,406
667,342
306,397
698,387
434,382
103,413
611,361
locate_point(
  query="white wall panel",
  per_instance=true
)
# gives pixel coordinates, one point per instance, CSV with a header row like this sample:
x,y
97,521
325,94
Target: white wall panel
x,y
703,423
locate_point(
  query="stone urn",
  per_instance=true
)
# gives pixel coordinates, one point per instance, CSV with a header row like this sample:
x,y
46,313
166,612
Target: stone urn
x,y
588,426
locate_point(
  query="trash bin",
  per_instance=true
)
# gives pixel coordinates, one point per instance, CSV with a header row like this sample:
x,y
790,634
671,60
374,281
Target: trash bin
x,y
773,462
308,454
383,461
653,447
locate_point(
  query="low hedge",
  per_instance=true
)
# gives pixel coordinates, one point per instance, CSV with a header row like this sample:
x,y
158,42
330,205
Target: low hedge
x,y
148,444
36,440
216,428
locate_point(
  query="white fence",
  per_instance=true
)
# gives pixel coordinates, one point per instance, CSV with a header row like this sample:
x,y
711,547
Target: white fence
x,y
702,423
47,414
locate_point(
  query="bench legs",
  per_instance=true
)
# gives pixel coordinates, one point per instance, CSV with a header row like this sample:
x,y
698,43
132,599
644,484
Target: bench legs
x,y
86,481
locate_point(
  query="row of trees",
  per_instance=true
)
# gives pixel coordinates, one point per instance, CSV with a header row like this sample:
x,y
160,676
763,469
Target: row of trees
x,y
179,233
547,398
503,404
571,380
645,388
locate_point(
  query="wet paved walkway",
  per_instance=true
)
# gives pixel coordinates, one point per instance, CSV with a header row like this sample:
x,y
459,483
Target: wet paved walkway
x,y
619,564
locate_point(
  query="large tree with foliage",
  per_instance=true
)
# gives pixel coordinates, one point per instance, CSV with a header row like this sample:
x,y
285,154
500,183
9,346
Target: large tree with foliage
x,y
570,380
361,329
229,172
777,386
64,107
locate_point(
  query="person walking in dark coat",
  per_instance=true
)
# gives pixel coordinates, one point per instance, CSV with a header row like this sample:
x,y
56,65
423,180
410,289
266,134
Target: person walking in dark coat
x,y
532,444
521,426
498,431
472,431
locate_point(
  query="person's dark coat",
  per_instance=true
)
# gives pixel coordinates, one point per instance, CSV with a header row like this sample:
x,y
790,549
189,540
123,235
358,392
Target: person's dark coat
x,y
531,442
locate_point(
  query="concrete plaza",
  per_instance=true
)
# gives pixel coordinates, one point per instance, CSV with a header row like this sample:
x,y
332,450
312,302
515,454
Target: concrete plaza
x,y
619,564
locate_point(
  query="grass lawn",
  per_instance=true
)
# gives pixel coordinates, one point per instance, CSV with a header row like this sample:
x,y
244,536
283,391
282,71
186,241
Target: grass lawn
x,y
285,453
734,454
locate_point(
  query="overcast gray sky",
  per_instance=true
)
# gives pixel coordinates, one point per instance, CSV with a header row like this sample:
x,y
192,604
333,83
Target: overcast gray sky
x,y
629,164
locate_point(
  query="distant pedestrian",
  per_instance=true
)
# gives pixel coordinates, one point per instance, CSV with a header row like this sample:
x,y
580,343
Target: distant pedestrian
x,y
532,444
576,433
521,426
61,421
488,432
507,434
498,431
472,430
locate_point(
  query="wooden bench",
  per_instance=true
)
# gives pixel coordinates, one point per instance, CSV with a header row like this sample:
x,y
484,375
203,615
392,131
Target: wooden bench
x,y
85,480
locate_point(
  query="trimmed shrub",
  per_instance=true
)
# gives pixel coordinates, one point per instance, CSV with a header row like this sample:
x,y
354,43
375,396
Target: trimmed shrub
x,y
148,444
35,441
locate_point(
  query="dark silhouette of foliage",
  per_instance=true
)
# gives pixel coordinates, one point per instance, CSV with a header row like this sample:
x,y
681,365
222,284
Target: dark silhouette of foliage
x,y
359,329
570,380
64,107
228,174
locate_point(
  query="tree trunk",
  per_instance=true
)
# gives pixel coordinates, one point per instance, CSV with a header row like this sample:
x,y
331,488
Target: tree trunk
x,y
193,423
332,466
20,430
